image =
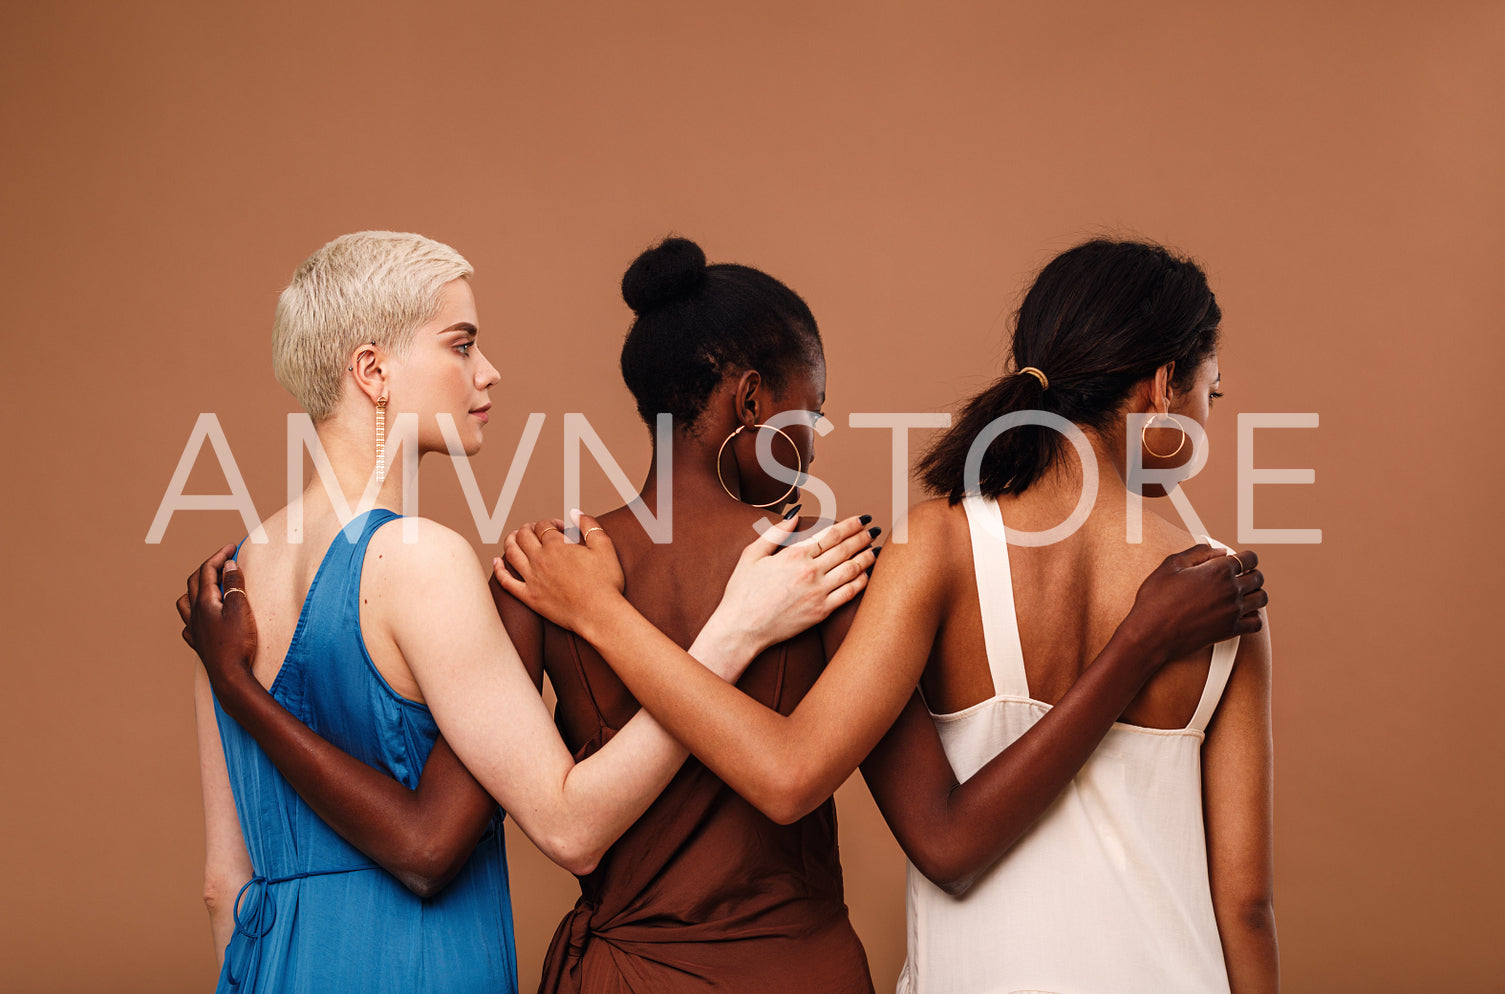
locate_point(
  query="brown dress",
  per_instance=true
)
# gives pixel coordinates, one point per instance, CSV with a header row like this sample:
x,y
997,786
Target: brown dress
x,y
704,892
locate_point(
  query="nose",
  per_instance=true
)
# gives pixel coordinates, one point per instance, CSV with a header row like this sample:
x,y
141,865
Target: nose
x,y
486,374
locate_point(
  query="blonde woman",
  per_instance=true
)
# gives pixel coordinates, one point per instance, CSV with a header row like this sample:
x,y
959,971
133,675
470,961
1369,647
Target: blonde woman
x,y
366,642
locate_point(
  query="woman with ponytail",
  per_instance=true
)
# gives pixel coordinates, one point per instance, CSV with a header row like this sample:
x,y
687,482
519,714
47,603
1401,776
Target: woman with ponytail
x,y
1043,666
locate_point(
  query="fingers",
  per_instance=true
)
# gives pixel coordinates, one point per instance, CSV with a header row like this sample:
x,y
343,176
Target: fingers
x,y
514,553
1195,556
1255,600
513,585
849,547
847,591
1250,581
234,582
185,608
773,538
831,536
1249,623
1247,560
592,535
206,590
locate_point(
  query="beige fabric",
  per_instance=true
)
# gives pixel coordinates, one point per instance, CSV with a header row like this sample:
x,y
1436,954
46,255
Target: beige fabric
x,y
1108,892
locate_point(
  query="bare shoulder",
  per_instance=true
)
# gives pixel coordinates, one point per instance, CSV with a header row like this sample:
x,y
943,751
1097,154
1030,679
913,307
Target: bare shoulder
x,y
1166,538
1254,650
418,554
930,544
937,530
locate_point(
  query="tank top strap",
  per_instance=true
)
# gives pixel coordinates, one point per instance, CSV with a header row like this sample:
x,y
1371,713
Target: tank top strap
x,y
1223,655
334,599
995,596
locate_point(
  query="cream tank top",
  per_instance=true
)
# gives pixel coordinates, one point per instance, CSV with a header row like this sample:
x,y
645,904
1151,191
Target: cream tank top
x,y
1108,891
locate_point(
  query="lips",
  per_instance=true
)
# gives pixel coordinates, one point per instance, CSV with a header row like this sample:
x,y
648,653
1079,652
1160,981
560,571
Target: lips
x,y
480,413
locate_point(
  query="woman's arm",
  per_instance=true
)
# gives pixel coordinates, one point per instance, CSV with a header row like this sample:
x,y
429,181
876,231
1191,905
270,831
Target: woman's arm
x,y
227,866
374,811
422,837
953,832
490,711
1238,807
787,765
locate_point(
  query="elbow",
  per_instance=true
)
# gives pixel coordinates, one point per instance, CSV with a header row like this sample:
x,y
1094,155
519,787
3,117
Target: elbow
x,y
789,791
427,868
1257,915
219,895
574,852
580,862
955,884
948,871
1250,914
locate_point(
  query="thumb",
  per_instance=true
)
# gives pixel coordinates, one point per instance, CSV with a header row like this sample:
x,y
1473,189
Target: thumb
x,y
233,591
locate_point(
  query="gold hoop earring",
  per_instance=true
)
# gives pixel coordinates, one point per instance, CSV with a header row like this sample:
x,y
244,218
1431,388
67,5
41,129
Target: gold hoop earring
x,y
381,440
792,487
1144,431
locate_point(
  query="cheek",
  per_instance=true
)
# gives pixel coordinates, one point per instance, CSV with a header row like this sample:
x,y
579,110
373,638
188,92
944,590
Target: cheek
x,y
804,441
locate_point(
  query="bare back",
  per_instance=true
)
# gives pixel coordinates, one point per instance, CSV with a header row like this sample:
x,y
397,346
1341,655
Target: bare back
x,y
669,905
1069,597
278,576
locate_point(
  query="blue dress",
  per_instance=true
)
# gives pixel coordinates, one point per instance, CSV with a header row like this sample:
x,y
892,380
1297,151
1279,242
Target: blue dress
x,y
319,917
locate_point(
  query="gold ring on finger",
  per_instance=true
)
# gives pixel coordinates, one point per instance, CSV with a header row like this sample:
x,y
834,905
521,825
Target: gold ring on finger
x,y
551,528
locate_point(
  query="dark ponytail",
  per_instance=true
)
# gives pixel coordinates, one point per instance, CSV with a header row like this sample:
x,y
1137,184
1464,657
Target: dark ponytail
x,y
697,323
1099,319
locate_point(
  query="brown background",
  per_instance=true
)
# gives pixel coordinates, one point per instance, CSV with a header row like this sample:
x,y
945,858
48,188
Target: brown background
x,y
163,167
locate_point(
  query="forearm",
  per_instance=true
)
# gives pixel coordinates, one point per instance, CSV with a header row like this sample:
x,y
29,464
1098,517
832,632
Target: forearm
x,y
953,833
420,844
1250,949
220,902
605,794
763,755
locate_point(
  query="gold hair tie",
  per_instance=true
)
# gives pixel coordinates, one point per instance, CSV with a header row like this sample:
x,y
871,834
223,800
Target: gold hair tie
x,y
1037,374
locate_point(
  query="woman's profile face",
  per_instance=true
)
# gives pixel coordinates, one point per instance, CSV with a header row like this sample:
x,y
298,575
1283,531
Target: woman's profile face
x,y
444,372
1195,403
804,390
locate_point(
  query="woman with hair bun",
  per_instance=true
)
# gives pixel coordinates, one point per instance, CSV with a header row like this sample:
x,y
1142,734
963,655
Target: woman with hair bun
x,y
1043,667
365,857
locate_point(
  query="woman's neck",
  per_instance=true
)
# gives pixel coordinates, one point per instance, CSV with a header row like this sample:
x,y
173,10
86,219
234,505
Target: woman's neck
x,y
347,483
1052,498
693,482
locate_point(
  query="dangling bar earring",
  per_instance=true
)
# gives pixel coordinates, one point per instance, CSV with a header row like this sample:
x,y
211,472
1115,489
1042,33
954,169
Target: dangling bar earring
x,y
381,440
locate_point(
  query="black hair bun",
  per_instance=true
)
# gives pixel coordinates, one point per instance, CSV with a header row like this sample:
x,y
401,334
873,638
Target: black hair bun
x,y
673,268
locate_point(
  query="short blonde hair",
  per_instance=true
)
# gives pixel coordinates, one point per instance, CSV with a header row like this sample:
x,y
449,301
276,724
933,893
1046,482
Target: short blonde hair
x,y
370,286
